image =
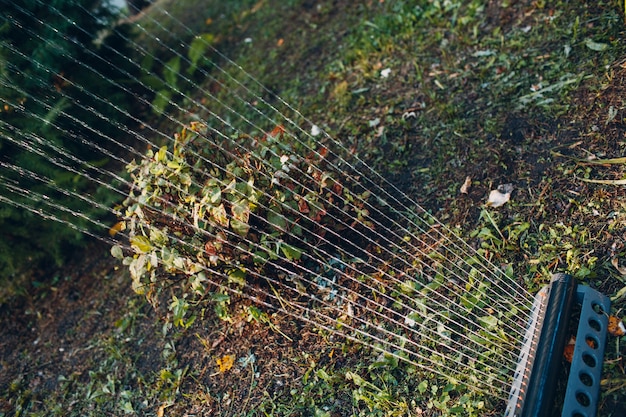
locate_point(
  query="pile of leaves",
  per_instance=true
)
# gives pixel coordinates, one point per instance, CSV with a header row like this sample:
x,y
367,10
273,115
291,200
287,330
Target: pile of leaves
x,y
211,212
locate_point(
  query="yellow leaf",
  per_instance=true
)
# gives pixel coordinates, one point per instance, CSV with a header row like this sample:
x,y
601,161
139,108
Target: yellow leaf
x,y
161,156
116,228
225,362
141,244
616,326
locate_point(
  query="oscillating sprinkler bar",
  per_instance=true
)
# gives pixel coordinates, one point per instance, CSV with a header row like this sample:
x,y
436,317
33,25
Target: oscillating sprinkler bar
x,y
541,357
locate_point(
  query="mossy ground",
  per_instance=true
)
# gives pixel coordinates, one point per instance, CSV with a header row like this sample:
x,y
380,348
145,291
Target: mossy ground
x,y
529,93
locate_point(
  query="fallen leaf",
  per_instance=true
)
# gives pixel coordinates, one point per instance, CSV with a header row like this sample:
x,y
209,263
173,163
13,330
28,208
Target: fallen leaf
x,y
140,244
500,196
374,122
244,361
592,343
116,228
466,185
567,49
484,53
210,249
620,269
116,252
225,362
595,46
616,326
278,130
161,410
618,295
611,115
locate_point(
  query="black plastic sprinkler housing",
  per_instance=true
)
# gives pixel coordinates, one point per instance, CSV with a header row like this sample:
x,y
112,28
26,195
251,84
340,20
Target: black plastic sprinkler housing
x,y
541,357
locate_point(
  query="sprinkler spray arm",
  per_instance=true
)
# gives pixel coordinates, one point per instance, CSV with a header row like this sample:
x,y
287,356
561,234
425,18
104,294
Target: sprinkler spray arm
x,y
549,356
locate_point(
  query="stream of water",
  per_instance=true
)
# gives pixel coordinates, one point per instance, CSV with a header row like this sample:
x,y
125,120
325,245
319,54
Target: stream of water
x,y
372,266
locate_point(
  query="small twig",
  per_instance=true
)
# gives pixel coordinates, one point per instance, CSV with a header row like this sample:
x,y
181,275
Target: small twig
x,y
251,385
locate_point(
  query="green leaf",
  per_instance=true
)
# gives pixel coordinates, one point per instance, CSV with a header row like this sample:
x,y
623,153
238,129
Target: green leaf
x,y
605,182
237,276
128,407
161,101
174,165
161,155
449,387
434,285
408,287
323,375
197,50
277,220
153,82
116,251
178,307
595,46
469,301
422,387
140,244
255,313
240,227
260,257
215,195
490,322
54,112
290,252
171,70
219,297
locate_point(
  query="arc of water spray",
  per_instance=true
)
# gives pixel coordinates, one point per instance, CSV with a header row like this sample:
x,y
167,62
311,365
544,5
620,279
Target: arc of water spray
x,y
218,132
438,313
65,192
269,278
394,255
210,162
